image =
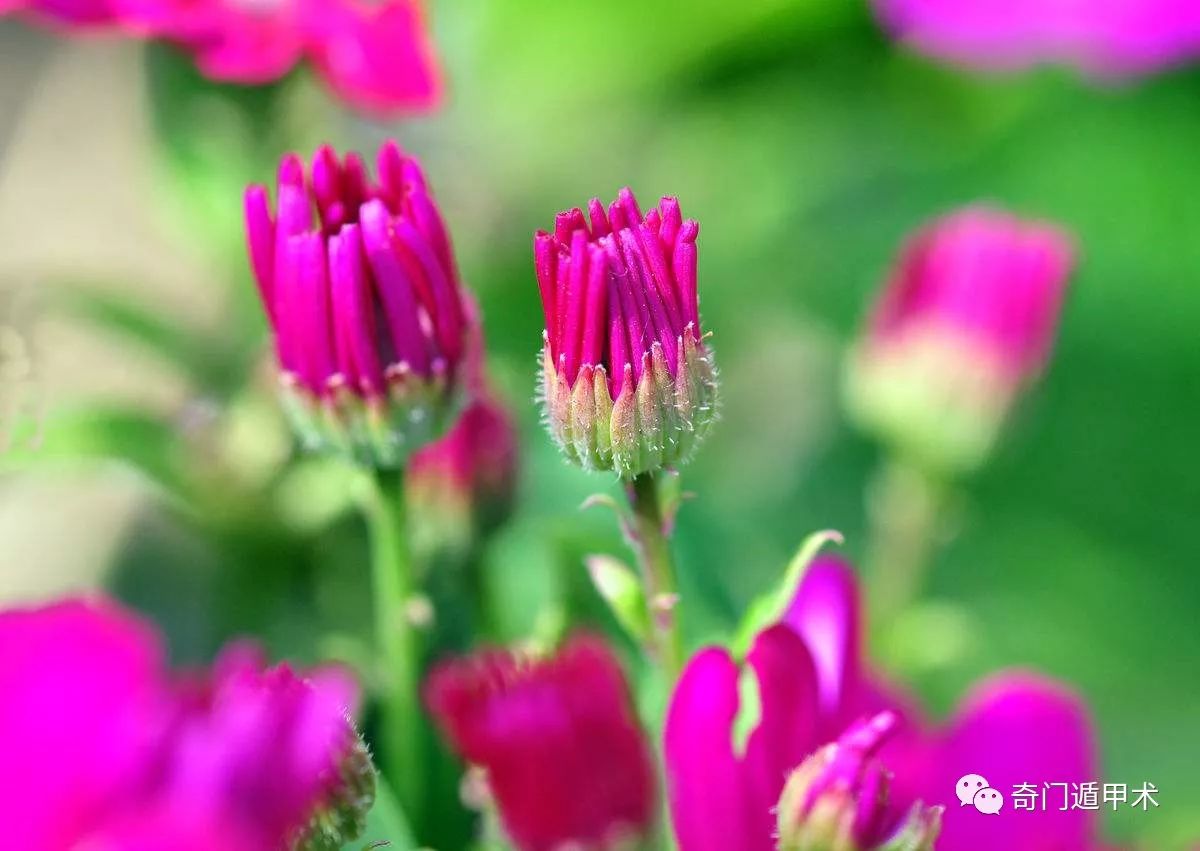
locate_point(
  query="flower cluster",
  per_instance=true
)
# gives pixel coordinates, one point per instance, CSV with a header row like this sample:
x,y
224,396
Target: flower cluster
x,y
375,56
964,324
564,756
628,379
359,282
104,748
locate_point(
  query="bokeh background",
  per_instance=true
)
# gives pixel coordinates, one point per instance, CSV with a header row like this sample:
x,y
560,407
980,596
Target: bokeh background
x,y
144,452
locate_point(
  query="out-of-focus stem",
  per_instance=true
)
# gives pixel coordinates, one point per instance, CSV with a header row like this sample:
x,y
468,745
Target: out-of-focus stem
x,y
658,572
398,645
904,510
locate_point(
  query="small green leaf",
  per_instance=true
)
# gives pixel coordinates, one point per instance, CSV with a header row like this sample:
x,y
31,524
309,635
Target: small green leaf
x,y
771,607
621,588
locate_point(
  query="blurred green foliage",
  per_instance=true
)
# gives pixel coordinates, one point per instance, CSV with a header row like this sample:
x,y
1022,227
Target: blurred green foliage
x,y
807,146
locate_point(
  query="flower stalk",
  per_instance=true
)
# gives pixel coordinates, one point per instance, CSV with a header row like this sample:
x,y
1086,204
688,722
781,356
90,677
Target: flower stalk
x,y
650,543
904,509
398,642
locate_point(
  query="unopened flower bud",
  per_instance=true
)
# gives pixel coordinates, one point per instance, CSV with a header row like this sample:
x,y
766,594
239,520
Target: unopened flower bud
x,y
364,301
837,800
629,383
965,323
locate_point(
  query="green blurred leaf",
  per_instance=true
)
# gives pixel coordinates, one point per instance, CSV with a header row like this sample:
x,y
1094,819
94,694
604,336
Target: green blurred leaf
x,y
197,356
619,585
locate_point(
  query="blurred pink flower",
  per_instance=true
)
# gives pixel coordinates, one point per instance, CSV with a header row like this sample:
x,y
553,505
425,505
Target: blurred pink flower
x,y
566,761
370,320
1103,37
986,275
105,749
378,57
1015,728
965,322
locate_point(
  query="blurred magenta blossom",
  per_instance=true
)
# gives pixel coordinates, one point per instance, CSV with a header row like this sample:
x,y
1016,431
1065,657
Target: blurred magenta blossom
x,y
964,323
1102,37
628,380
378,57
105,748
370,320
812,686
566,761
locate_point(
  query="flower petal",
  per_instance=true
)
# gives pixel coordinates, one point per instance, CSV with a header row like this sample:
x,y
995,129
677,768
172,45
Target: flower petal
x,y
1016,728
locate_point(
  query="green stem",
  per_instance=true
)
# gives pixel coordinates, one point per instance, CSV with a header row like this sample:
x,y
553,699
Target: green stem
x,y
398,642
658,572
904,511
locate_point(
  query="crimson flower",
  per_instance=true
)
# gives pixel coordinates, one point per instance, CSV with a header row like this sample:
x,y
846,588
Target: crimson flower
x,y
565,759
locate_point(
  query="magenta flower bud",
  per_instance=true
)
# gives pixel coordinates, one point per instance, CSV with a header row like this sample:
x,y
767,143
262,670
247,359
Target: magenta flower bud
x,y
359,283
965,323
565,759
462,486
837,800
629,383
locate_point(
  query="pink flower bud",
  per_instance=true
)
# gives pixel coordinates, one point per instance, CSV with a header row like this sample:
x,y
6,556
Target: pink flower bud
x,y
964,324
628,380
565,759
359,282
837,800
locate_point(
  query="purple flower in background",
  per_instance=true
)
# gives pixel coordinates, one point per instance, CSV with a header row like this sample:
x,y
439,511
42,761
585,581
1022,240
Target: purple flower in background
x,y
628,381
376,57
810,687
105,749
1103,37
566,761
963,325
360,285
